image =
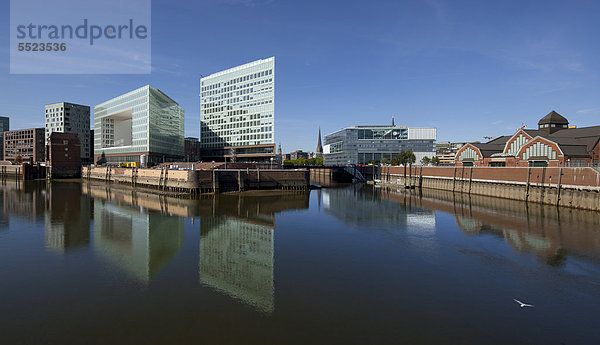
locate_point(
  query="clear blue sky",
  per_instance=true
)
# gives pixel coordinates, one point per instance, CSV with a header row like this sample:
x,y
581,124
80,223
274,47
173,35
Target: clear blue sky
x,y
469,68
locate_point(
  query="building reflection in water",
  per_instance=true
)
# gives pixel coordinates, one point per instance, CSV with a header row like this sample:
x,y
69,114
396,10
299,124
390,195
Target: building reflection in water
x,y
22,200
67,216
551,233
237,258
237,245
236,255
138,240
364,206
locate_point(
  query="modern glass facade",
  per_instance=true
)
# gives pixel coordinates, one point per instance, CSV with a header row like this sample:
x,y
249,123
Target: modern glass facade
x,y
237,107
141,122
363,144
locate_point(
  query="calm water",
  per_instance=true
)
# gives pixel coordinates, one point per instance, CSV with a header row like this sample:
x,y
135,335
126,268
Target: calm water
x,y
85,264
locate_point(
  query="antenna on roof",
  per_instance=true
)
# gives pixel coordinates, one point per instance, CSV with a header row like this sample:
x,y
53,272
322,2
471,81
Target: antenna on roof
x,y
488,138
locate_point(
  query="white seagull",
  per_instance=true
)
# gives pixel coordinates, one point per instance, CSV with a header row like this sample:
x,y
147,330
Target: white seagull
x,y
523,304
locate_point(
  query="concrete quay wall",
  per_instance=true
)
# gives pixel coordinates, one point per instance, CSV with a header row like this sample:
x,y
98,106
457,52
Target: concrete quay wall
x,y
570,187
201,181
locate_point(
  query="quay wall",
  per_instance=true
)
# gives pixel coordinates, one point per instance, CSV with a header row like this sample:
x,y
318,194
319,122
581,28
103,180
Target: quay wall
x,y
201,181
570,187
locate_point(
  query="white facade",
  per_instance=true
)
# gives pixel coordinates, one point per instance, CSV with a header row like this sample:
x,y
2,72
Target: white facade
x,y
422,133
70,118
237,106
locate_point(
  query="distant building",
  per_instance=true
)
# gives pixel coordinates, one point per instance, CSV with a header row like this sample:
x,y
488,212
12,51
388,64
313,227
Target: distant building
x,y
191,150
4,126
286,157
144,124
63,155
299,154
25,143
66,117
553,144
237,113
363,144
446,151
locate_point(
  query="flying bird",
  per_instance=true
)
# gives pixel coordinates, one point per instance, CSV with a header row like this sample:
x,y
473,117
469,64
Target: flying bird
x,y
523,305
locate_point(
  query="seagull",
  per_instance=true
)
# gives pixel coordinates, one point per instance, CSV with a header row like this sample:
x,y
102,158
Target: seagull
x,y
523,304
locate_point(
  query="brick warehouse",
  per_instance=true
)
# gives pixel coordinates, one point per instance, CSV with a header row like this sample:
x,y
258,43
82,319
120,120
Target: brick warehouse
x,y
553,144
63,155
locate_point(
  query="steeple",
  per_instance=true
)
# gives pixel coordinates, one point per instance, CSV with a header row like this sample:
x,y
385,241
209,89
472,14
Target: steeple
x,y
319,146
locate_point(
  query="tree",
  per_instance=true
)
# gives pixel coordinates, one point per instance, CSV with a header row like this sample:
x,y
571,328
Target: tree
x,y
394,161
425,160
384,160
18,160
406,158
435,160
102,159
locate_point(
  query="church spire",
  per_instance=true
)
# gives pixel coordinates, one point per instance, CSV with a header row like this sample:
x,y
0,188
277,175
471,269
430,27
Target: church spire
x,y
319,146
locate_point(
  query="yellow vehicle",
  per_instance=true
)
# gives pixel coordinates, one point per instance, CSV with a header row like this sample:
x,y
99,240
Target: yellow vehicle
x,y
129,165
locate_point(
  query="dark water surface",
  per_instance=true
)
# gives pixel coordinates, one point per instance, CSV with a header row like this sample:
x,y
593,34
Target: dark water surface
x,y
87,264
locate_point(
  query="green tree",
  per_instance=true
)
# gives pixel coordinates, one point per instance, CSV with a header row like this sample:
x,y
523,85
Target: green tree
x,y
18,160
435,160
425,160
394,161
406,158
384,161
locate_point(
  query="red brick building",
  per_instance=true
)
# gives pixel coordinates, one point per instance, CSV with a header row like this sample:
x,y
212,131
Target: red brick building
x,y
63,155
553,144
25,143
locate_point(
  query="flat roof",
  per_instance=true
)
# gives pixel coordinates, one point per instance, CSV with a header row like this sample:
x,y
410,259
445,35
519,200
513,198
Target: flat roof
x,y
238,68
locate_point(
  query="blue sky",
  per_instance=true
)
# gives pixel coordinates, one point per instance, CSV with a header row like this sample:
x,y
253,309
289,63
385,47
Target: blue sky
x,y
469,68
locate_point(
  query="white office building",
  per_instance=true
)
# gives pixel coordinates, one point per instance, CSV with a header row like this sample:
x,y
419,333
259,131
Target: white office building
x,y
70,118
237,112
364,144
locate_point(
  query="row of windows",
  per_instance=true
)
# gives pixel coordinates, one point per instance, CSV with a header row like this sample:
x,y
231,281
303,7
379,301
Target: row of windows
x,y
238,80
243,90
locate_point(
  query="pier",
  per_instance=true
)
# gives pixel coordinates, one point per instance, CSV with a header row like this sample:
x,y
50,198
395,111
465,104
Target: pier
x,y
202,181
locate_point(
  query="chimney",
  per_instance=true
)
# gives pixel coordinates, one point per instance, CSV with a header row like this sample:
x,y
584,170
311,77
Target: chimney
x,y
393,121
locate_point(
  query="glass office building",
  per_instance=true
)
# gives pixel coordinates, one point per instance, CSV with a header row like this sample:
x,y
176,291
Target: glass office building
x,y
363,144
144,126
237,112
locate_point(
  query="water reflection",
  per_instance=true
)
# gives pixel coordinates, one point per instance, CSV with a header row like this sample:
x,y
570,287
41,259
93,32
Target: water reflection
x,y
551,233
364,206
67,217
25,201
237,245
139,242
140,231
237,258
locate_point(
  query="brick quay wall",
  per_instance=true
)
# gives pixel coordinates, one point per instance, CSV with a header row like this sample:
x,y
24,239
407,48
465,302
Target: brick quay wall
x,y
202,181
570,187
